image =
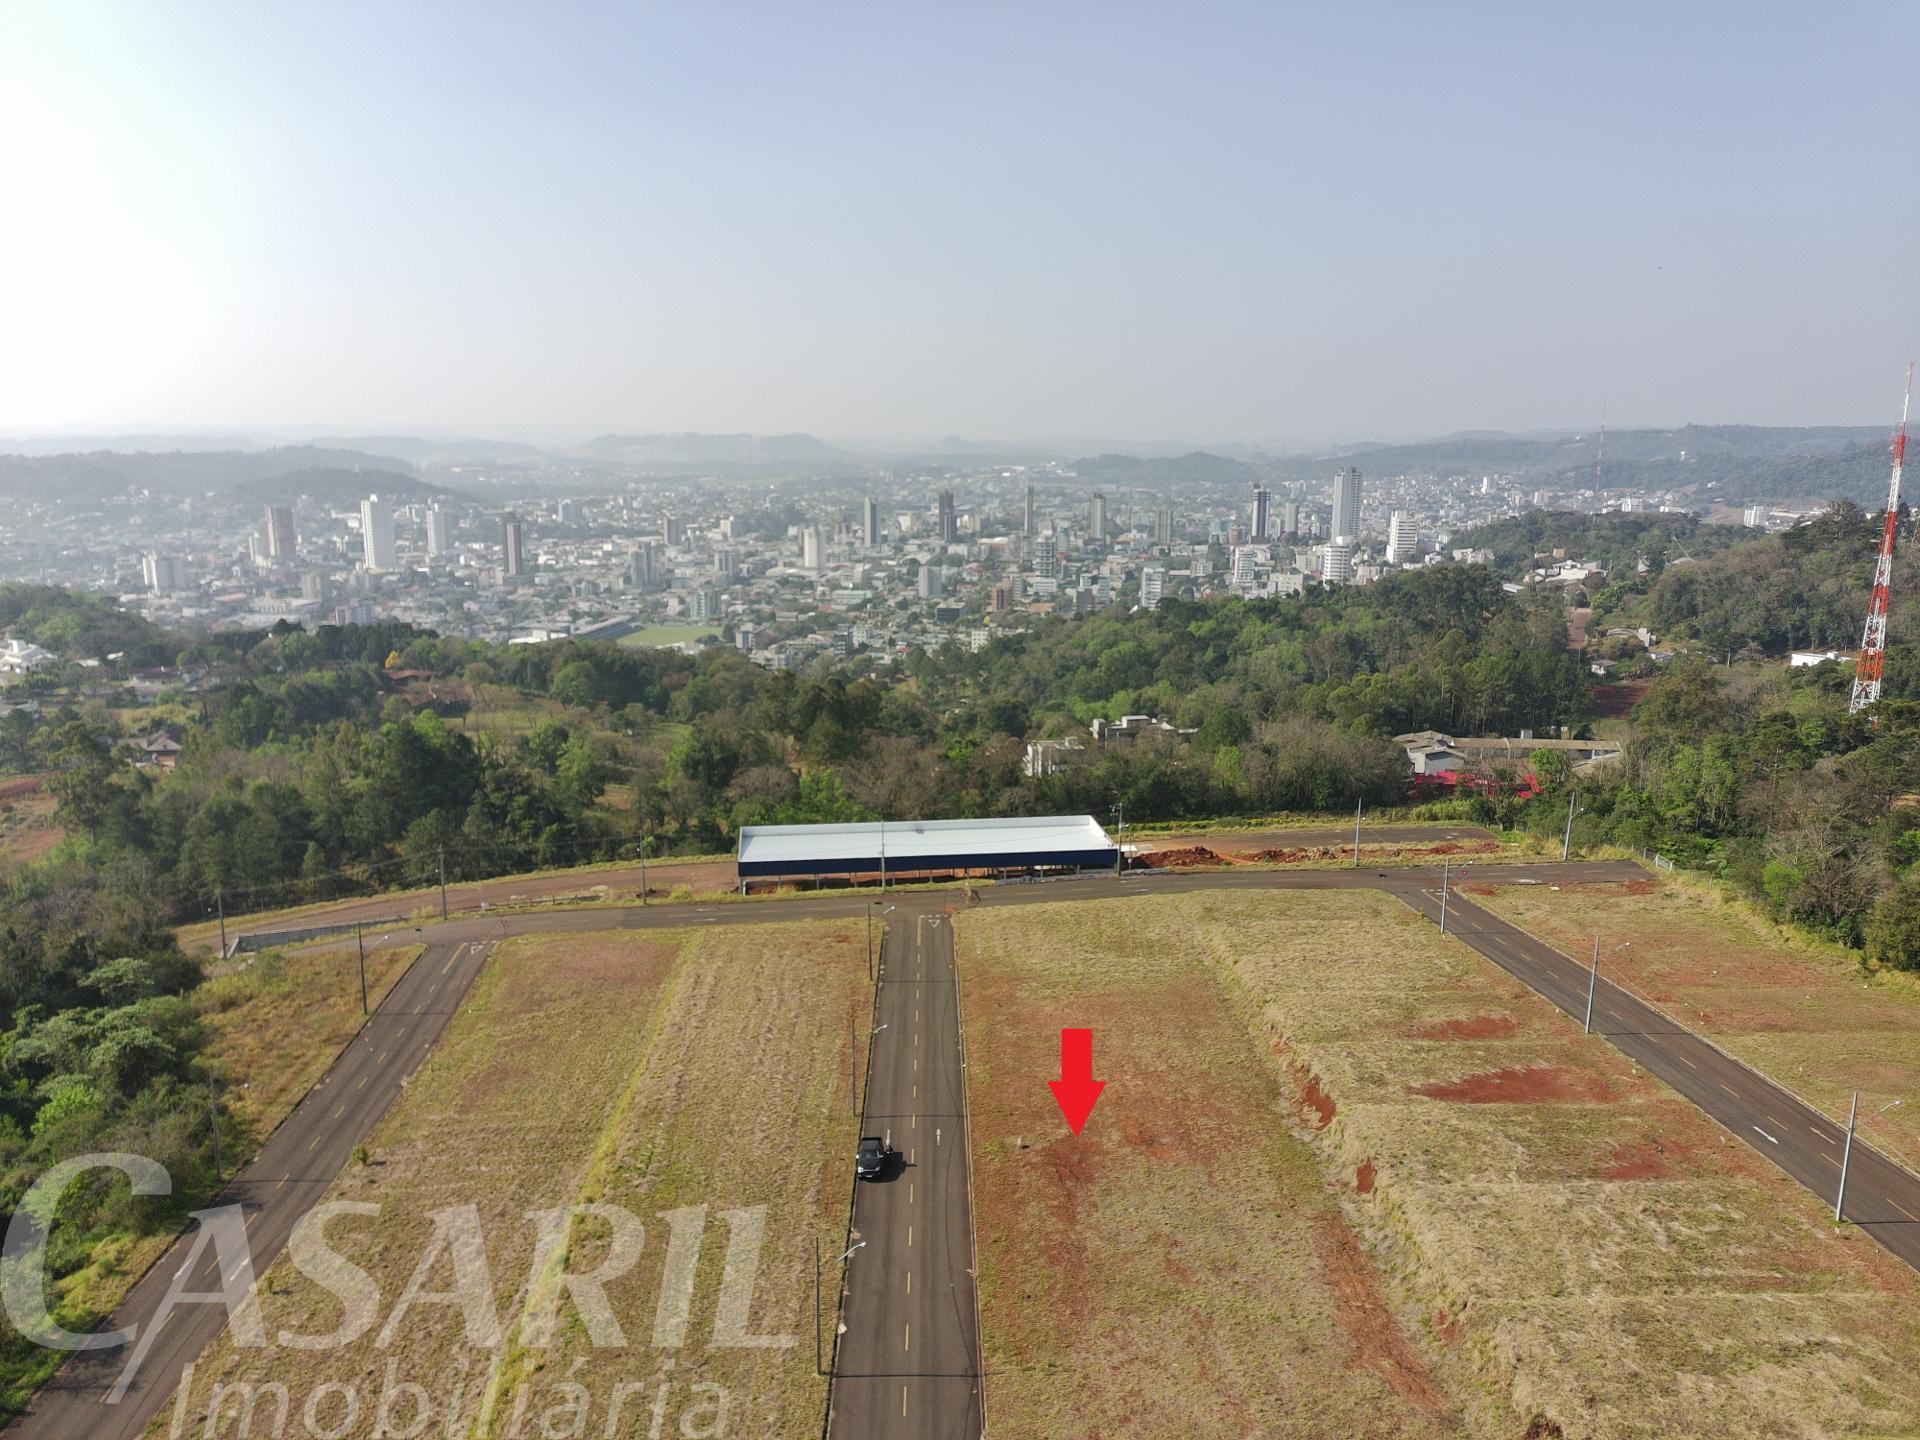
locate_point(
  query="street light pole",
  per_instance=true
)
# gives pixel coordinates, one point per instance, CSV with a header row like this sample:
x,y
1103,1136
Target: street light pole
x,y
1846,1155
1593,982
220,899
1446,864
443,882
360,938
1356,833
1566,841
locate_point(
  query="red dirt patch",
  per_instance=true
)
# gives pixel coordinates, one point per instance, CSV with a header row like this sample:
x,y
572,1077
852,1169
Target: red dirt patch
x,y
1376,1337
1638,1160
22,786
1535,1084
1363,1178
1474,1027
1481,889
1186,855
1613,701
1313,1097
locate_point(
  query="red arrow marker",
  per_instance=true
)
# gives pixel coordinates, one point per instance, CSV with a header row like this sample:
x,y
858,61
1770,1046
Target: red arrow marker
x,y
1076,1089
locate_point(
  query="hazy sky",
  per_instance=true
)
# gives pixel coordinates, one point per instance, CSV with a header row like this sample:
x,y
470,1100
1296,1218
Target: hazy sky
x,y
1205,222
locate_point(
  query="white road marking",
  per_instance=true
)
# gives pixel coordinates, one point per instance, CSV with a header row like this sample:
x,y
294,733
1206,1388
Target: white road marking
x,y
1764,1136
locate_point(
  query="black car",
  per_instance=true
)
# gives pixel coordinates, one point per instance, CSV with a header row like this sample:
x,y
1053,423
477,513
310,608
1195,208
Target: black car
x,y
871,1158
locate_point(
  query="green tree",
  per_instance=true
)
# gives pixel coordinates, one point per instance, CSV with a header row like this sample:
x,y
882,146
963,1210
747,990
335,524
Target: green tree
x,y
1893,931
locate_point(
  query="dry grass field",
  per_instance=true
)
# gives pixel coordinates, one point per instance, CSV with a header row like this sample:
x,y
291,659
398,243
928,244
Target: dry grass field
x,y
1805,1014
278,1023
1563,1247
1182,1268
696,1072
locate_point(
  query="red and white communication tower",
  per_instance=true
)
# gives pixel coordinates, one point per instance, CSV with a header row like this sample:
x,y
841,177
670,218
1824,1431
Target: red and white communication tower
x,y
1873,644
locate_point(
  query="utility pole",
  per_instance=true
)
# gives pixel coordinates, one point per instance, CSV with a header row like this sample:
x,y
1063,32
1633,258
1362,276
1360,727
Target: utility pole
x,y
1356,833
220,899
819,1362
1120,851
1445,864
1593,982
1846,1155
883,855
1566,841
443,882
361,939
870,942
643,863
853,1056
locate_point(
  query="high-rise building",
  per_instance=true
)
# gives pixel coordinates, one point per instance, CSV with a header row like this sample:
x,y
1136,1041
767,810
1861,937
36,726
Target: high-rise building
x,y
1046,556
568,512
1163,527
1153,585
1097,517
643,567
932,582
1245,557
439,530
1260,515
1403,538
1336,563
513,546
163,573
948,527
727,563
376,533
810,548
675,530
1026,515
703,605
280,537
1346,505
870,521
1290,517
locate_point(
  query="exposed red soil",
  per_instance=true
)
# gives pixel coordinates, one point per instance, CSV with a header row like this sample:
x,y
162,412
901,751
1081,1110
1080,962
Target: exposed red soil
x,y
1618,699
1186,855
22,786
1481,889
1475,1027
1316,1099
1530,1085
1363,1178
1315,1104
1285,857
1378,1343
1638,1160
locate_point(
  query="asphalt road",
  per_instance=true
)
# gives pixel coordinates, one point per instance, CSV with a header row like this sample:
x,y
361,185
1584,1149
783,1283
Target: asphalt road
x,y
920,1349
291,1174
908,1362
1882,1198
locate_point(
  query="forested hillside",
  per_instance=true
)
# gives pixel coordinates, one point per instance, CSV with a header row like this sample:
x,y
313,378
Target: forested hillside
x,y
1618,543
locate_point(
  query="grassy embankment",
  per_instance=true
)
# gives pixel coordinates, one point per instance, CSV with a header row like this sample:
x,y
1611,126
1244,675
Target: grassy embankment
x,y
1559,1240
689,1072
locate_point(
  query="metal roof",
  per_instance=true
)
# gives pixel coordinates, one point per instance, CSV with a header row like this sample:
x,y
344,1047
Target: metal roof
x,y
932,844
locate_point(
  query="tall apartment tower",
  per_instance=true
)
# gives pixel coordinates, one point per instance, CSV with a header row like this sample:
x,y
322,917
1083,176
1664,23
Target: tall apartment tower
x,y
1290,517
1402,538
162,573
810,548
643,567
1163,525
1346,505
675,529
1153,585
439,531
513,546
376,533
1261,514
948,527
870,521
1046,556
279,532
1336,563
1097,516
1026,516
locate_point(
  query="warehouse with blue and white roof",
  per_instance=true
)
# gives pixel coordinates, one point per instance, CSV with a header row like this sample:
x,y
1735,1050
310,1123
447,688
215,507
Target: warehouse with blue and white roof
x,y
895,850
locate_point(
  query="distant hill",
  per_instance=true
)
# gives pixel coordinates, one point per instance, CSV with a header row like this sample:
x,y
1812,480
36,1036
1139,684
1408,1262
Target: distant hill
x,y
104,473
1617,543
336,489
1196,467
688,448
416,450
1726,463
78,626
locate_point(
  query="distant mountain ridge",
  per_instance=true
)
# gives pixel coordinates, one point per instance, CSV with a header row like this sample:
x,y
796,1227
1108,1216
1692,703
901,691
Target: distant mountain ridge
x,y
335,489
175,473
693,448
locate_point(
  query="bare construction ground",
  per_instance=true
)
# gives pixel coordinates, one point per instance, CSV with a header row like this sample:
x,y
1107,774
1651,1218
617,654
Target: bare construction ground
x,y
1806,1014
1350,1178
1182,1267
698,1079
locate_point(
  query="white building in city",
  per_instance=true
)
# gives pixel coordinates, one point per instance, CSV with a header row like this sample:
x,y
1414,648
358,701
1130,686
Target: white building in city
x,y
1403,538
376,534
1336,563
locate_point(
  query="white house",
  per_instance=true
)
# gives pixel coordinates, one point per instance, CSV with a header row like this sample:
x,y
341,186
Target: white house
x,y
22,657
